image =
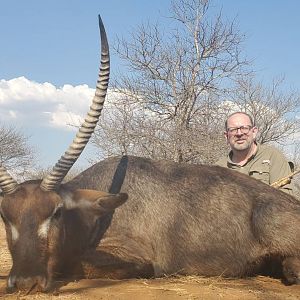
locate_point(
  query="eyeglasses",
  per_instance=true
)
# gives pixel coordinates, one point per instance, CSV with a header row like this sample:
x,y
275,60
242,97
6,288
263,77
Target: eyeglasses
x,y
243,129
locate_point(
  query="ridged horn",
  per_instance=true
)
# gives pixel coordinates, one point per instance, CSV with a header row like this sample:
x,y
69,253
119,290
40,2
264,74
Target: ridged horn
x,y
7,183
62,167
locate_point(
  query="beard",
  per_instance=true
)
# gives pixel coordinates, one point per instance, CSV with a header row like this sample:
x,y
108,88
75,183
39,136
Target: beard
x,y
241,144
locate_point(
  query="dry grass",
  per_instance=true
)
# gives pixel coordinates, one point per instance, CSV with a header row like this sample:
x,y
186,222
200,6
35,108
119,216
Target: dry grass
x,y
5,258
40,296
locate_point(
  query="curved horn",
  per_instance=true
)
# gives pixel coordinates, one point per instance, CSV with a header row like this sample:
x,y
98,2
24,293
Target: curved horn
x,y
53,180
7,183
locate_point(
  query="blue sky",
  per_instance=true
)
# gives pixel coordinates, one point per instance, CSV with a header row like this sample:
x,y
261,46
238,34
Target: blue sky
x,y
50,50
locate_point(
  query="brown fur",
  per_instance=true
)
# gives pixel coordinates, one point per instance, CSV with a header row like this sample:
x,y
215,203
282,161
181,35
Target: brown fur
x,y
178,219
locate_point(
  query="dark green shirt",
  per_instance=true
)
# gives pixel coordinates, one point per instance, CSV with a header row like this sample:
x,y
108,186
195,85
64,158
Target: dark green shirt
x,y
267,164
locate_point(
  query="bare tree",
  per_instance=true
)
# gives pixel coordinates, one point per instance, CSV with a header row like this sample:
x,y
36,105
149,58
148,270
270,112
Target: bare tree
x,y
274,109
175,78
39,172
180,87
15,152
126,127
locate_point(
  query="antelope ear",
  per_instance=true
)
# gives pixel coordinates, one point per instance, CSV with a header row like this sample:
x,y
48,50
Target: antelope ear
x,y
99,201
111,201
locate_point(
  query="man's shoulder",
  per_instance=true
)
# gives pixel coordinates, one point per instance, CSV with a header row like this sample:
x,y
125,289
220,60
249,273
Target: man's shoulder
x,y
269,150
222,162
273,154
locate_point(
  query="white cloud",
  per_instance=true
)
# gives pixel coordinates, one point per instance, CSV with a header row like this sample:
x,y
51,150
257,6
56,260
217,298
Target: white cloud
x,y
21,90
45,113
12,114
62,118
42,103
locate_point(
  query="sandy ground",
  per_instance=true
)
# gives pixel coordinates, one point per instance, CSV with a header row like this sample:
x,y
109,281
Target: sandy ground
x,y
173,288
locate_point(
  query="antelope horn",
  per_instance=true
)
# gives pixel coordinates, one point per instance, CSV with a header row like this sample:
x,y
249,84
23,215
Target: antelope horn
x,y
7,183
62,167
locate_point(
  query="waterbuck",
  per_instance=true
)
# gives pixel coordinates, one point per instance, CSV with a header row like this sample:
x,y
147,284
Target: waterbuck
x,y
135,217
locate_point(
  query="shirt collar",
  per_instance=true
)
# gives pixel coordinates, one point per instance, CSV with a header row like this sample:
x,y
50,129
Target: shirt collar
x,y
229,157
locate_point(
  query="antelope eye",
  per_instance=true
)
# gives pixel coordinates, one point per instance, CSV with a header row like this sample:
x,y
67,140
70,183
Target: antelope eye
x,y
2,217
57,213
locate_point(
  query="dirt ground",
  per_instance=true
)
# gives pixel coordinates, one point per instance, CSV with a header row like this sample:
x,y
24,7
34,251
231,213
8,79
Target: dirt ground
x,y
173,288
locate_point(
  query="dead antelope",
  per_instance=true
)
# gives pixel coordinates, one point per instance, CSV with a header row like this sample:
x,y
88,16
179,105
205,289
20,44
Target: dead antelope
x,y
178,218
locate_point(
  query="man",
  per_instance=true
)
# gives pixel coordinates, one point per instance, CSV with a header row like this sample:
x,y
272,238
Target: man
x,y
262,162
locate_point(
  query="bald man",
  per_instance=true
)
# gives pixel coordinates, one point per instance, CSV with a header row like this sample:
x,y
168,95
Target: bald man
x,y
262,162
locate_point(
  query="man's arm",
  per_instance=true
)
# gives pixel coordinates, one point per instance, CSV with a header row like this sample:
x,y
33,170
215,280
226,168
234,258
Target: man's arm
x,y
280,168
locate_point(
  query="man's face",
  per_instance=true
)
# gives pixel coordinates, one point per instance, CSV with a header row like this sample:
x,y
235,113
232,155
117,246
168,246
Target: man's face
x,y
240,133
